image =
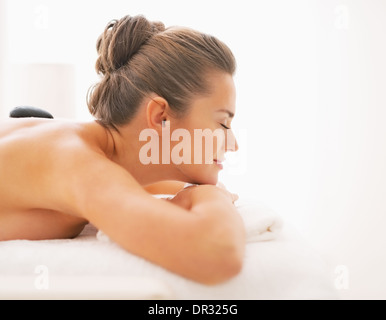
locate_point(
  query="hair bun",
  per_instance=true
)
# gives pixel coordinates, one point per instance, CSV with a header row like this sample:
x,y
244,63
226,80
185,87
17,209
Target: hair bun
x,y
122,39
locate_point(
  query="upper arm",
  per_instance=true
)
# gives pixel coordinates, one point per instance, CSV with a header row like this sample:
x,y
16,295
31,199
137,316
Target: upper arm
x,y
111,198
159,231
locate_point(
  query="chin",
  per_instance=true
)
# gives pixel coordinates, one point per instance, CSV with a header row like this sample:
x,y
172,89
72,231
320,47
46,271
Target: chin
x,y
207,181
204,176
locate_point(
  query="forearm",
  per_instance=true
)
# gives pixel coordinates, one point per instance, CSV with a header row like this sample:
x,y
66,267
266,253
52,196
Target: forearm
x,y
165,187
211,200
222,230
207,199
218,241
216,207
225,222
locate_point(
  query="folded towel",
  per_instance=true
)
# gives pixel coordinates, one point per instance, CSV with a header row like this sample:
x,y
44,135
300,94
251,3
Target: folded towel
x,y
261,223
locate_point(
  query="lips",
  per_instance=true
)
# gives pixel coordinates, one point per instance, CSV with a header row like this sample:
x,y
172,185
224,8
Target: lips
x,y
219,163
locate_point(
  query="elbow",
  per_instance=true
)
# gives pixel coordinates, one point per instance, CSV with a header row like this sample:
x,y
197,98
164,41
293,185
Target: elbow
x,y
235,266
229,268
224,257
223,269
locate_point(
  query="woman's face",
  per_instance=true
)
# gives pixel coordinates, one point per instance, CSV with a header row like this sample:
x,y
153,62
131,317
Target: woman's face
x,y
208,122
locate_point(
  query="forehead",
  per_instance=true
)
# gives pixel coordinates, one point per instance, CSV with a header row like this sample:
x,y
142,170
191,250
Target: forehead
x,y
222,96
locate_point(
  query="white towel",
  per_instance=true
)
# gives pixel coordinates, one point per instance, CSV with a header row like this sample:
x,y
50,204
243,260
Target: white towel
x,y
261,223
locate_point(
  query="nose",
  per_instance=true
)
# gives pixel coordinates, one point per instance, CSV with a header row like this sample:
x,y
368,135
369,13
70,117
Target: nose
x,y
231,143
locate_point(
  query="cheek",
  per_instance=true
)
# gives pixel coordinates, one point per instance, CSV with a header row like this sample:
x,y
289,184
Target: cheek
x,y
220,141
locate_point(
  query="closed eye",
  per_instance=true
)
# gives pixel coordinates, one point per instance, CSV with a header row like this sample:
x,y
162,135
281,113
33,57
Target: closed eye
x,y
224,126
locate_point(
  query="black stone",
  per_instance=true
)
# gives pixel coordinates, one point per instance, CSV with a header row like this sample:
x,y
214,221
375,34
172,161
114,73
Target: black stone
x,y
30,112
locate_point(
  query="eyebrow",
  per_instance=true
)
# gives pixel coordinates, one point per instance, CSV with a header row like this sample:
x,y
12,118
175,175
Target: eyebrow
x,y
230,114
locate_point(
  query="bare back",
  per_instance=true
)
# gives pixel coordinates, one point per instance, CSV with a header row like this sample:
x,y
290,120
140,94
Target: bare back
x,y
33,202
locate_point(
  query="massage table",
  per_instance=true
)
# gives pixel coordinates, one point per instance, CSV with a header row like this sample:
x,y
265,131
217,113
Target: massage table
x,y
278,264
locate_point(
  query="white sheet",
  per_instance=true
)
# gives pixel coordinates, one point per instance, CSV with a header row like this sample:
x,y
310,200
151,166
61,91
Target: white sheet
x,y
280,267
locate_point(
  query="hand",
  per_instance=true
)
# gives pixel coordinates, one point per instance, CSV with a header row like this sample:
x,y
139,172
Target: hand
x,y
234,195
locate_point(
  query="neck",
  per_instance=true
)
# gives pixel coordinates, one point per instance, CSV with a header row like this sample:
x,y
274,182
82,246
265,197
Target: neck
x,y
123,148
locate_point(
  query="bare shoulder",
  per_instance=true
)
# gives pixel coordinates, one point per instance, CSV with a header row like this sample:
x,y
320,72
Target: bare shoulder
x,y
88,178
53,164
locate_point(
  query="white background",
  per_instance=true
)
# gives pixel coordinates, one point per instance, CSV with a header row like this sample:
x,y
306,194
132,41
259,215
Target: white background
x,y
311,108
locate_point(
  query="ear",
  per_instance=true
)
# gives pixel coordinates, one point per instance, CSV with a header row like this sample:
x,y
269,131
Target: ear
x,y
156,113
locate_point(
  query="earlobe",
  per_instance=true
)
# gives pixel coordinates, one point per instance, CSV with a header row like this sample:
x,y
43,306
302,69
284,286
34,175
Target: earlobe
x,y
157,113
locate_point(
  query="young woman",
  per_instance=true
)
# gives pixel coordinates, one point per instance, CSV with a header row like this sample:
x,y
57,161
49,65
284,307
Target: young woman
x,y
57,176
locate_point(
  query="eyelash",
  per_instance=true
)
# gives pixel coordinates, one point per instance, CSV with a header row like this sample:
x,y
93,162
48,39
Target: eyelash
x,y
224,126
